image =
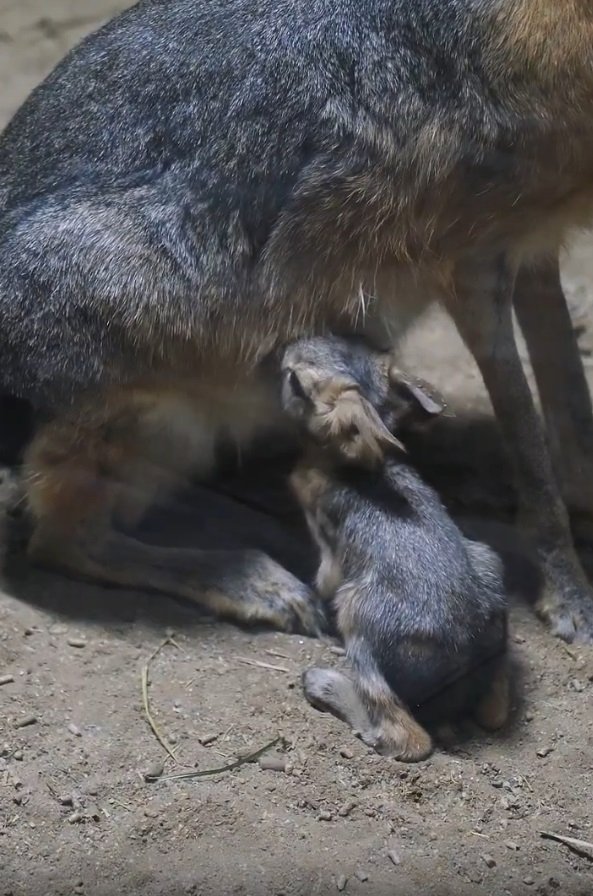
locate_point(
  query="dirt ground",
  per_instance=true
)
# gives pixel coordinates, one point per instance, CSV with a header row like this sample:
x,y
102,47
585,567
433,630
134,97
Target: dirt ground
x,y
320,812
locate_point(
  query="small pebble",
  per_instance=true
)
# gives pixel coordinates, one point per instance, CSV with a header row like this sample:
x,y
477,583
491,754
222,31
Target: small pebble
x,y
172,739
394,857
510,844
346,753
6,679
154,771
529,717
18,755
341,882
75,818
544,751
489,861
76,642
325,815
208,739
337,651
272,763
73,729
347,808
361,875
66,800
528,881
25,721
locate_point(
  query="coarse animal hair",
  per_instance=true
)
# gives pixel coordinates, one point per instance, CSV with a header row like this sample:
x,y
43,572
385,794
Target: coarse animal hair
x,y
422,610
196,184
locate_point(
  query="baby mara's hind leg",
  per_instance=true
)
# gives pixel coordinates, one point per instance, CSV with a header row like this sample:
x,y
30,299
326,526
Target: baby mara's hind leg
x,y
368,706
112,461
386,726
329,690
396,733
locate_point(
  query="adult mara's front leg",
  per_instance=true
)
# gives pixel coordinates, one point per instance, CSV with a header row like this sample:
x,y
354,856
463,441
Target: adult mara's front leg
x,y
108,462
481,306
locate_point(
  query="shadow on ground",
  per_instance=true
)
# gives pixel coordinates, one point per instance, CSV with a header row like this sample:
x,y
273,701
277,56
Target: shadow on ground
x,y
251,506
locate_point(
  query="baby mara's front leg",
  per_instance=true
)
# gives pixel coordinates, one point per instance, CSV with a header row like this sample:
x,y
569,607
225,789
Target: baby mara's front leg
x,y
309,485
329,573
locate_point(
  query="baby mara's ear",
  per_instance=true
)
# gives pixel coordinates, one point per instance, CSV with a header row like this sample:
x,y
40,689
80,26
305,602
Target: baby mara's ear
x,y
415,402
356,430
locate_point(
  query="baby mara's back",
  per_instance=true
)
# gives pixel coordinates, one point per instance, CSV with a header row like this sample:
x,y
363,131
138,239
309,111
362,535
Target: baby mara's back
x,y
428,603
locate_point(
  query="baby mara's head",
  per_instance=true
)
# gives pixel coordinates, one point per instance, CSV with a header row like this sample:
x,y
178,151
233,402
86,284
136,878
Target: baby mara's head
x,y
353,400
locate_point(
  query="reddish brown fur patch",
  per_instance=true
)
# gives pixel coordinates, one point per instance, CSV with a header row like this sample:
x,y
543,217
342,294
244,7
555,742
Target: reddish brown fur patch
x,y
401,737
398,733
546,37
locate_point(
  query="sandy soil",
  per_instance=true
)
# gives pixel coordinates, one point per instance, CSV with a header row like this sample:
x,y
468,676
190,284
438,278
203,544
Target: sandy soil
x,y
78,816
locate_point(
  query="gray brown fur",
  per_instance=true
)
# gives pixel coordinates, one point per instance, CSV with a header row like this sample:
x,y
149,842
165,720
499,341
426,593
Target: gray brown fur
x,y
422,610
198,183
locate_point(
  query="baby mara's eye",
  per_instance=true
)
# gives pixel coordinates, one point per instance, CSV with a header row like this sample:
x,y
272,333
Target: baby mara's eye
x,y
296,386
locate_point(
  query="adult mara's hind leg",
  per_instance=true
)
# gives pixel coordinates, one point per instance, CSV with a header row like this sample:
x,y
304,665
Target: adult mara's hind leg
x,y
110,461
545,320
481,307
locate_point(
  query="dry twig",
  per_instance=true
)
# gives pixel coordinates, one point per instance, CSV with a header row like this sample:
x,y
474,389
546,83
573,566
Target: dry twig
x,y
145,701
581,847
262,665
231,766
